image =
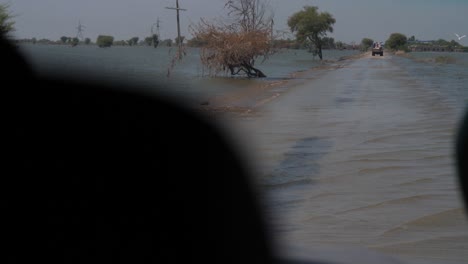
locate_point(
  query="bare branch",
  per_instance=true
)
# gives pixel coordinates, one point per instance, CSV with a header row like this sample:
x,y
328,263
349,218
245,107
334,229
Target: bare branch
x,y
235,47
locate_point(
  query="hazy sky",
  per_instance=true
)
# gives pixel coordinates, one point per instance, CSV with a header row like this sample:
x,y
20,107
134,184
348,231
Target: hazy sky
x,y
355,19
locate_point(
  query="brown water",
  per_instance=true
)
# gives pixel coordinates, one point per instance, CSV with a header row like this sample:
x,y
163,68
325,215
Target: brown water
x,y
362,157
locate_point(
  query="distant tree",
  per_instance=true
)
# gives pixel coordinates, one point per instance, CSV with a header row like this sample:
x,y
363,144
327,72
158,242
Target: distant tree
x,y
340,45
328,43
74,42
167,42
155,40
133,41
149,41
234,46
120,43
87,41
311,25
6,23
196,42
176,40
396,41
34,40
45,41
453,43
104,41
64,39
366,43
284,44
412,39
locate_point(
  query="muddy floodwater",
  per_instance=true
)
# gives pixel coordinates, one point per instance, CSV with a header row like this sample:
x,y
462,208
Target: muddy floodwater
x,y
361,156
353,153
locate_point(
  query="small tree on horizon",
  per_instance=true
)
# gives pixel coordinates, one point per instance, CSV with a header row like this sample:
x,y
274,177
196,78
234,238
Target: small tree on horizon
x,y
64,39
148,41
366,43
396,41
104,41
167,42
312,26
133,41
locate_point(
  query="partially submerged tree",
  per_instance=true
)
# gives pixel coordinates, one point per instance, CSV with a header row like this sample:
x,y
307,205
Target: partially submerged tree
x,y
149,41
235,46
167,42
6,23
133,41
64,39
396,41
312,25
104,41
155,40
366,43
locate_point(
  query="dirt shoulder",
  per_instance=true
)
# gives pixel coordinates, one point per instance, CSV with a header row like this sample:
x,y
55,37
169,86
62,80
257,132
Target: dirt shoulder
x,y
248,100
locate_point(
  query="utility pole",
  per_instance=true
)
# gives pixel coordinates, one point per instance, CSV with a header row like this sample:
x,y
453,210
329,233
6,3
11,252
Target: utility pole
x,y
177,8
272,24
157,27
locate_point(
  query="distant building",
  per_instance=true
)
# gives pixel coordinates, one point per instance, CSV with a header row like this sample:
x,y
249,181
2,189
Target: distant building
x,y
431,46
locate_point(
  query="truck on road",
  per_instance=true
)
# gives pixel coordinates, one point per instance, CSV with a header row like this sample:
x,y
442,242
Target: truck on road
x,y
377,48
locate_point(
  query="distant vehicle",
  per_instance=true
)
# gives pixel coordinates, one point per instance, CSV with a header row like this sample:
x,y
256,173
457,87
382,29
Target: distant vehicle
x,y
377,48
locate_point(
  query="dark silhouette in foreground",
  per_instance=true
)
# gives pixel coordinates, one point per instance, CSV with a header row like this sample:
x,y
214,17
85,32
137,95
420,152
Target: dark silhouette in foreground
x,y
96,174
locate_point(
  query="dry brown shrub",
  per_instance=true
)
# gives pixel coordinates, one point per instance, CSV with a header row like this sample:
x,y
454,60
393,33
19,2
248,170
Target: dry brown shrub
x,y
235,47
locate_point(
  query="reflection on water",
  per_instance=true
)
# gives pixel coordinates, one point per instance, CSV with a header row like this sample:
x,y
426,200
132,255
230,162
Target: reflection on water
x,y
146,66
299,164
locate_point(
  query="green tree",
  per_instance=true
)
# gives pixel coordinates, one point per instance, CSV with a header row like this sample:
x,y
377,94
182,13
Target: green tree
x,y
454,44
396,41
120,43
6,23
167,42
412,39
75,41
133,41
104,41
340,45
34,40
64,39
366,43
87,41
328,43
312,25
149,41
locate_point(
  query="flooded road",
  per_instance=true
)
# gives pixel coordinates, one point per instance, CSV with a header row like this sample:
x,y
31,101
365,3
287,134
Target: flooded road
x,y
360,156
